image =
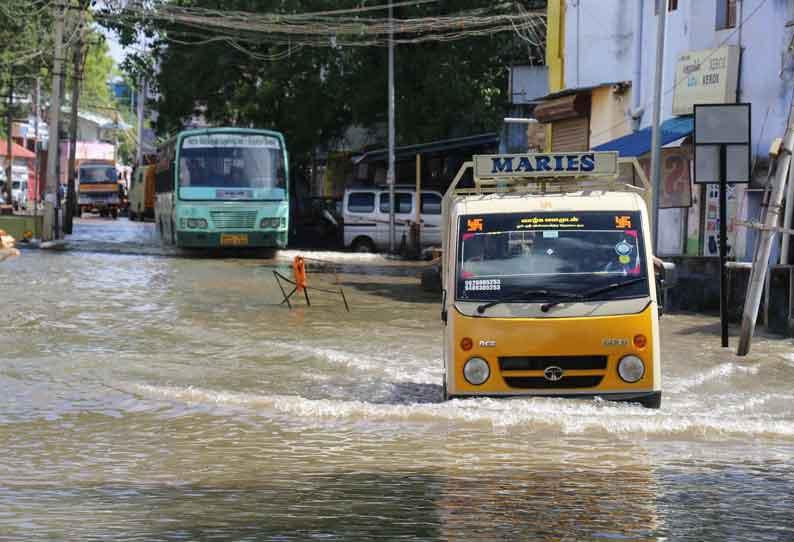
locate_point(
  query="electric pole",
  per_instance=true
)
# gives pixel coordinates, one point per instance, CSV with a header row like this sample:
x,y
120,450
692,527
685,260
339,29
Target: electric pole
x,y
9,159
51,191
141,97
391,174
77,80
656,138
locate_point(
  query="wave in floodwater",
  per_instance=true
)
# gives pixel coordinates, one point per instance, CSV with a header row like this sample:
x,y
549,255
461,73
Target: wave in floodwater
x,y
549,415
335,257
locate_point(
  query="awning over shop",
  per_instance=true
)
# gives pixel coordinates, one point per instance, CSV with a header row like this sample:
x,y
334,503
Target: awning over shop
x,y
639,142
17,151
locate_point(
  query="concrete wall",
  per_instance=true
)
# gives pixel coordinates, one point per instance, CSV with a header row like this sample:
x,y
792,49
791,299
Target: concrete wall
x,y
600,38
608,110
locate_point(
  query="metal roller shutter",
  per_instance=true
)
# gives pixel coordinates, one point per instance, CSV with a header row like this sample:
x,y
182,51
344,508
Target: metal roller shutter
x,y
570,135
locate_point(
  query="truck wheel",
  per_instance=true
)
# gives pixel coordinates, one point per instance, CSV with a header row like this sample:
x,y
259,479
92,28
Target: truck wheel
x,y
363,244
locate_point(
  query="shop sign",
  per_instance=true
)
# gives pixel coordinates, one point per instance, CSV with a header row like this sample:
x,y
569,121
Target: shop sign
x,y
709,76
567,164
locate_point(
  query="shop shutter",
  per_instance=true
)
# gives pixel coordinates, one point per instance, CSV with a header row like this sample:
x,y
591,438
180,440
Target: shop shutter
x,y
570,135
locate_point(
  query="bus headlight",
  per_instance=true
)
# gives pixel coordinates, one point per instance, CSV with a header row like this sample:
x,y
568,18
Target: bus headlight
x,y
273,223
198,223
476,371
631,369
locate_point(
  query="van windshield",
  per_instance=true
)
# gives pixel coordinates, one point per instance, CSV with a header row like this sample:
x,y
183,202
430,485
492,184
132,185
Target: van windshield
x,y
503,256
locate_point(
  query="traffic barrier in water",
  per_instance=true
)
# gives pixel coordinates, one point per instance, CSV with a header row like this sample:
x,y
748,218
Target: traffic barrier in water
x,y
300,283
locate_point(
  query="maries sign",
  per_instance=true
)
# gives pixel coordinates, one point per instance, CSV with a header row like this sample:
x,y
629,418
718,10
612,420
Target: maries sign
x,y
565,164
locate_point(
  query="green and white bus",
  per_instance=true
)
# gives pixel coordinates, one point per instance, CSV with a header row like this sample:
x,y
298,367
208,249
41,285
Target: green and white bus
x,y
223,187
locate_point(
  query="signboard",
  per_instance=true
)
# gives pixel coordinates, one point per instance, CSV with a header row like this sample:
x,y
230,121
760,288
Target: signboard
x,y
566,164
722,132
676,186
230,140
707,76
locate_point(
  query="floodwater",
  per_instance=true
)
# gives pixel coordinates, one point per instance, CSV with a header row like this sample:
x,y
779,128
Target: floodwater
x,y
151,398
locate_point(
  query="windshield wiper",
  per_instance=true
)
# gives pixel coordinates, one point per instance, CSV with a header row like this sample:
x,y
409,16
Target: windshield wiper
x,y
598,291
528,293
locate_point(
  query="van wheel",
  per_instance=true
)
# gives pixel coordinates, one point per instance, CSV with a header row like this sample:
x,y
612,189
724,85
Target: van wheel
x,y
652,401
363,244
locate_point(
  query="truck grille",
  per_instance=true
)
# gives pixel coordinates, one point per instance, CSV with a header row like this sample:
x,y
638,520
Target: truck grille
x,y
539,363
538,382
233,220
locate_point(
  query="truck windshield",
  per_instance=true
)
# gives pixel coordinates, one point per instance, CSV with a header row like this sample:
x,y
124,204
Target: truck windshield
x,y
231,166
97,174
540,257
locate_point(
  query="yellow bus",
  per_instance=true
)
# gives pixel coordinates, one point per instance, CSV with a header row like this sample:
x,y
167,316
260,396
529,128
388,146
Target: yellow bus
x,y
549,282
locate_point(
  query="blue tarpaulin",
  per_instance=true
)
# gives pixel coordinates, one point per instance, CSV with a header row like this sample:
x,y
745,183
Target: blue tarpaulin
x,y
639,142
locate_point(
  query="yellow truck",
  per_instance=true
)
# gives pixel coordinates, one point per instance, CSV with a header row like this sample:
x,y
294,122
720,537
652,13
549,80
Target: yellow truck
x,y
549,281
98,189
141,194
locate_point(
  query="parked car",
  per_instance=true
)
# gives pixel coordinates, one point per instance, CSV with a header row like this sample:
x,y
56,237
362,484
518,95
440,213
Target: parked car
x,y
366,217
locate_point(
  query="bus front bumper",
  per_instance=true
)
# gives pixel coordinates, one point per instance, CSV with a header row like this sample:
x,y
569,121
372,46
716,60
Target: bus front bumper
x,y
253,239
648,398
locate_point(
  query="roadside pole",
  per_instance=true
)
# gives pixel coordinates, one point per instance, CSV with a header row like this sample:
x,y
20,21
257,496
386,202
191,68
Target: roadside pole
x,y
656,143
764,250
141,97
391,174
9,141
51,191
71,196
36,147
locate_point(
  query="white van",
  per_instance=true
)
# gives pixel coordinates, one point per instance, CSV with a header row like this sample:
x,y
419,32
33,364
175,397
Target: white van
x,y
366,218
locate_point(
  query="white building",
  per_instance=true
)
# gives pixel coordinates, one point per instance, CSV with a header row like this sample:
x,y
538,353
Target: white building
x,y
716,51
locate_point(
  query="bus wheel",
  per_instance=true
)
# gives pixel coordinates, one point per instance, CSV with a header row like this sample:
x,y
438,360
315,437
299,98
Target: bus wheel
x,y
363,244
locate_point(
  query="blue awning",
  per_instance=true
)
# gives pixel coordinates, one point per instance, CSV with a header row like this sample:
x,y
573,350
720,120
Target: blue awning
x,y
639,142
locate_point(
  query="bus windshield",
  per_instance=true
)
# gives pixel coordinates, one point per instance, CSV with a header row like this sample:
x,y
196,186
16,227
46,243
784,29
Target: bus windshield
x,y
97,174
534,257
224,166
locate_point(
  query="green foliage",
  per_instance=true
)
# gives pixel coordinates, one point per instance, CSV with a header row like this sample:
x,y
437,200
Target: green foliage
x,y
313,94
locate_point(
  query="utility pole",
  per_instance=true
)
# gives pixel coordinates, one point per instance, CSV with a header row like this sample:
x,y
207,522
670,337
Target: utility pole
x,y
656,138
9,141
51,192
766,237
391,174
36,147
141,97
77,79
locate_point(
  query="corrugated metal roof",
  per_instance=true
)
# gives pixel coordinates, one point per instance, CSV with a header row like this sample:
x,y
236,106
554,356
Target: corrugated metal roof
x,y
639,142
408,151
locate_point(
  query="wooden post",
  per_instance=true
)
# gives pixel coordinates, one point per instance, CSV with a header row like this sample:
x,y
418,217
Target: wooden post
x,y
766,237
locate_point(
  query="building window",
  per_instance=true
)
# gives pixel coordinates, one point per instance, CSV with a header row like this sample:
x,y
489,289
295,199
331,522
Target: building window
x,y
672,5
726,14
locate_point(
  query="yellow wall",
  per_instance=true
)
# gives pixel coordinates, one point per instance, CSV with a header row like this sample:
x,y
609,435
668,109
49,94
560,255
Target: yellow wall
x,y
608,115
555,44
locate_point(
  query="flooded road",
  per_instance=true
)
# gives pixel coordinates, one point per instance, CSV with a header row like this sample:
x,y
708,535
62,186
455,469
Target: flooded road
x,y
150,398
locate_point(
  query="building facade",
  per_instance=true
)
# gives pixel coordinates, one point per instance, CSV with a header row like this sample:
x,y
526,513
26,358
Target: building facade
x,y
601,56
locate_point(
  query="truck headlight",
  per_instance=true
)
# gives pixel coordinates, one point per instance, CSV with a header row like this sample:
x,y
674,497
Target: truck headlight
x,y
631,369
196,223
476,371
273,223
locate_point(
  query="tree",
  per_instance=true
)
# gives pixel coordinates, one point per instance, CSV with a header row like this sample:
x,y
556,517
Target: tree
x,y
313,94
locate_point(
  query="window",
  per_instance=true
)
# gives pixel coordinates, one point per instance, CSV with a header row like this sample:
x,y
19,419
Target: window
x,y
403,203
672,5
361,202
726,14
431,204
